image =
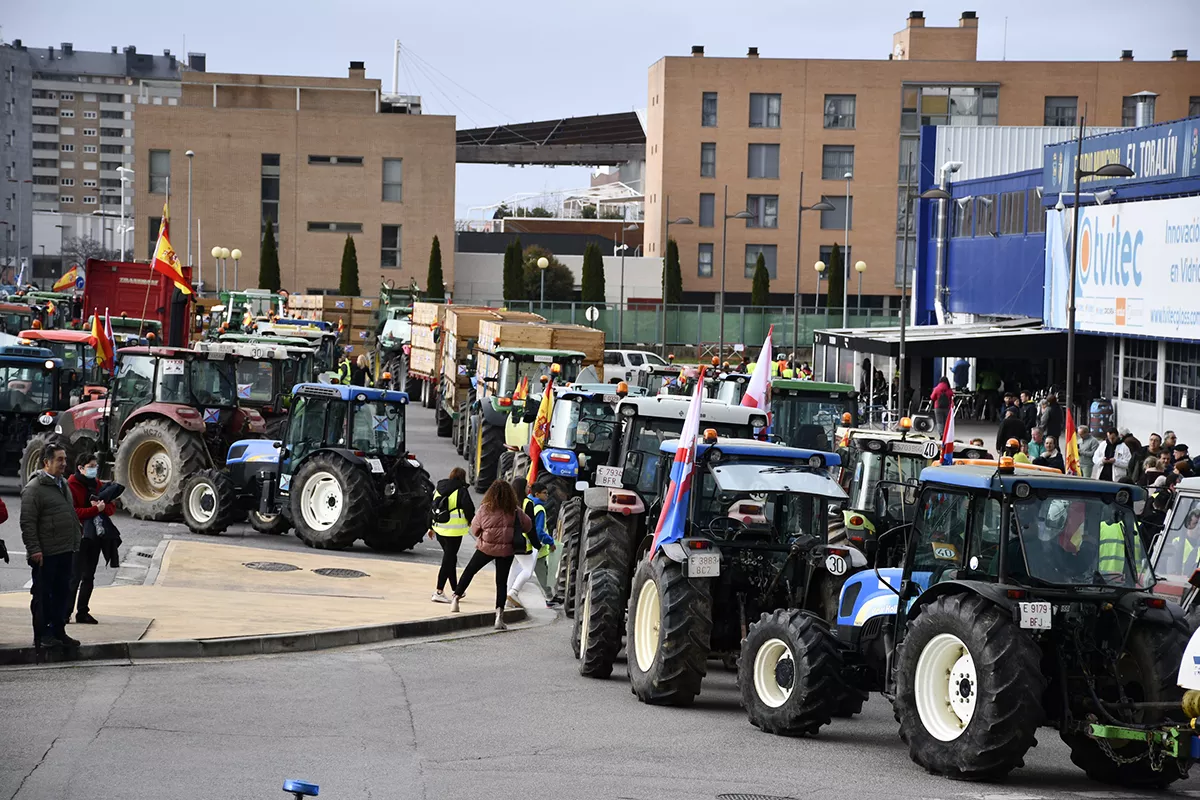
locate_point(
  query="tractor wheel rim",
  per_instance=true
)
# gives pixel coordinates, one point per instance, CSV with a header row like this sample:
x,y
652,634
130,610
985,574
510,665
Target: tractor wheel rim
x,y
946,686
585,620
202,502
150,470
265,519
34,463
771,664
321,501
647,625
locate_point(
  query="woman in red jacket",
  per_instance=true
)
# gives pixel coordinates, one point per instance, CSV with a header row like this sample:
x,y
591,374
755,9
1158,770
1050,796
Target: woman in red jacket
x,y
493,529
942,398
84,488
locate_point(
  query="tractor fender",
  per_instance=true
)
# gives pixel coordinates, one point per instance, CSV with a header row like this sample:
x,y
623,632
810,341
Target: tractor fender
x,y
248,420
867,594
1134,603
560,463
616,501
678,551
995,594
82,417
493,414
185,417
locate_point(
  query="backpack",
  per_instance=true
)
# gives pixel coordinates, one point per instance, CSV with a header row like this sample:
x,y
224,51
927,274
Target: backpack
x,y
441,508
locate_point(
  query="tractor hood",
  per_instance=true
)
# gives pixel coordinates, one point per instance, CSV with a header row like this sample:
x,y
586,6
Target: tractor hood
x,y
247,450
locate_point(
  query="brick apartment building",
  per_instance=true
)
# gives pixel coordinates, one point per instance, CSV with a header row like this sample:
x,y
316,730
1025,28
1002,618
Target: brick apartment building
x,y
322,158
754,124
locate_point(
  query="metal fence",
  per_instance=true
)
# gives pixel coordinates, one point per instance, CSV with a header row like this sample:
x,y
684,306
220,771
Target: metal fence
x,y
641,325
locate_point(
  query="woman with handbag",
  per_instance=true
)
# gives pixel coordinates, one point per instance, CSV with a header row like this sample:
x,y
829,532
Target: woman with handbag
x,y
497,526
85,488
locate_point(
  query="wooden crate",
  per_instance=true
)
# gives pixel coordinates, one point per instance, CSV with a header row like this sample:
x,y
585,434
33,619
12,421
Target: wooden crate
x,y
365,304
422,338
304,302
423,363
427,313
463,321
531,335
332,302
588,341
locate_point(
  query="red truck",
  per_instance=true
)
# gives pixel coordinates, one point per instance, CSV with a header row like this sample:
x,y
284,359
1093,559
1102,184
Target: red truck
x,y
120,287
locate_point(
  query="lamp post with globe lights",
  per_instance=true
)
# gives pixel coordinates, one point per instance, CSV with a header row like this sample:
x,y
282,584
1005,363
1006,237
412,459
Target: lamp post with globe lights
x,y
820,268
860,267
543,263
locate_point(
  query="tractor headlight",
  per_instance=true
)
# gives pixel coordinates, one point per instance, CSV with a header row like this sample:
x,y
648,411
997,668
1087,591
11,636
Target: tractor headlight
x,y
1021,490
758,421
628,411
1123,497
816,462
389,490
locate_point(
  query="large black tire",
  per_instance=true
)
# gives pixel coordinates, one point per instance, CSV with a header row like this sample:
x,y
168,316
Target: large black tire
x,y
463,425
788,673
566,533
471,450
269,523
412,387
505,469
429,398
1148,670
409,516
598,623
153,461
1007,686
209,502
669,633
456,433
444,421
491,445
559,490
333,502
520,468
83,444
31,456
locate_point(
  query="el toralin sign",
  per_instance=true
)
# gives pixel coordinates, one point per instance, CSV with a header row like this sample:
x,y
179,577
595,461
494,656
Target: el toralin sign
x,y
1154,153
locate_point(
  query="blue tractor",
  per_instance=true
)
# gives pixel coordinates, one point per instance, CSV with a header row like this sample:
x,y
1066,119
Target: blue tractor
x,y
341,473
1024,600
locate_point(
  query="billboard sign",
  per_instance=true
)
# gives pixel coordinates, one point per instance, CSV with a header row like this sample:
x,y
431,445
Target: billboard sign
x,y
1154,153
1138,270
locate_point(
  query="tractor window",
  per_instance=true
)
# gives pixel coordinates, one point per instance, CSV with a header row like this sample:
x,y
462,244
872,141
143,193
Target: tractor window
x,y
135,377
335,425
807,421
873,467
578,422
306,425
984,550
511,373
941,529
731,391
27,388
214,383
255,380
15,321
764,514
378,428
1180,553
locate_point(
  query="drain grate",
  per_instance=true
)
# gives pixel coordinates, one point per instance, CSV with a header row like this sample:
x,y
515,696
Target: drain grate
x,y
334,572
270,566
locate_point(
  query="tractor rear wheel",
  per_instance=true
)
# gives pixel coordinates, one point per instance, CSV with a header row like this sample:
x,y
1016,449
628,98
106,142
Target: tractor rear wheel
x,y
1147,671
969,689
566,533
269,523
412,386
153,462
333,502
444,421
505,470
409,516
789,674
463,424
491,445
669,633
471,450
31,456
520,468
209,500
598,623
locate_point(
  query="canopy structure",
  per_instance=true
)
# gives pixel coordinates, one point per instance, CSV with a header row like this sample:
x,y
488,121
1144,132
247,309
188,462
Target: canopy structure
x,y
1016,338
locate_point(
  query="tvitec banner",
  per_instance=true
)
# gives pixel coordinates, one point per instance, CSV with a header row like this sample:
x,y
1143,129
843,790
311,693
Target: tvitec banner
x,y
1138,269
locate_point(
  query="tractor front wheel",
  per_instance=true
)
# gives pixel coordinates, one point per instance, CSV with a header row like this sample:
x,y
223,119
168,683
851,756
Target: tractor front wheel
x,y
566,533
153,461
505,470
269,523
669,633
444,421
788,674
209,498
333,502
491,445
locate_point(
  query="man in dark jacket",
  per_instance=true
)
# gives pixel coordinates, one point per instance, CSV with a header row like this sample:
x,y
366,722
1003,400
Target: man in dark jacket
x,y
1029,413
51,533
1011,427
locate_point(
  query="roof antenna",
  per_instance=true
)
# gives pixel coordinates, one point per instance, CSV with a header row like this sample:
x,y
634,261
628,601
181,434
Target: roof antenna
x,y
1004,48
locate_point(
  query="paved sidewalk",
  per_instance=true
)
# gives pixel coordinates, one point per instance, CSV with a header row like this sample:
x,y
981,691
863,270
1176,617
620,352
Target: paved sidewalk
x,y
201,592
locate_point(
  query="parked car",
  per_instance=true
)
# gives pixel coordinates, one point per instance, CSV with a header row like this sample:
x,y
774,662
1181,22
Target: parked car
x,y
619,364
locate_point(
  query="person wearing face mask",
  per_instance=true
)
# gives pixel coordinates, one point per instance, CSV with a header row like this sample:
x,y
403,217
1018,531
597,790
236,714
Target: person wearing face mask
x,y
93,514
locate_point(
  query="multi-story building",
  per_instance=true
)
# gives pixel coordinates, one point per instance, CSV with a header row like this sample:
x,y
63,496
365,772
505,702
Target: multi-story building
x,y
16,240
755,127
320,158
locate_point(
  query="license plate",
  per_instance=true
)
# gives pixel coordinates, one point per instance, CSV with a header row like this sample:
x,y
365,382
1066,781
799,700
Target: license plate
x,y
1035,616
609,477
543,359
704,565
611,398
376,464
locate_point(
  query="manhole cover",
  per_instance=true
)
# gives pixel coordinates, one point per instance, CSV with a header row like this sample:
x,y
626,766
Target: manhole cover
x,y
270,566
333,572
752,797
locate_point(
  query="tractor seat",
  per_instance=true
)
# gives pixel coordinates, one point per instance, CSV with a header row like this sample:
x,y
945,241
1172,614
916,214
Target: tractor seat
x,y
301,788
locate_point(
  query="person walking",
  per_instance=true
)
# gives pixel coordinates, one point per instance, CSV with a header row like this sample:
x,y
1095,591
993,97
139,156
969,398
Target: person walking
x,y
1087,448
453,513
360,373
494,528
1011,427
962,374
942,398
534,506
51,533
1051,421
1029,413
85,489
1111,460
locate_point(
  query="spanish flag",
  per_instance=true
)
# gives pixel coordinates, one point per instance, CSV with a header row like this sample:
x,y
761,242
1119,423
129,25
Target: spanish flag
x,y
67,281
1071,451
165,261
101,341
541,432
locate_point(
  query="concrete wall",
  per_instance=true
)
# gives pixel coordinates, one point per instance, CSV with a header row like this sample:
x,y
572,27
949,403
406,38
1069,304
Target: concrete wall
x,y
478,277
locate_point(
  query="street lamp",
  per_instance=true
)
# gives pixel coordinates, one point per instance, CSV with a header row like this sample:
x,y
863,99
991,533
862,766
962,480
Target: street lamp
x,y
62,247
928,194
667,223
821,206
743,214
820,268
542,264
860,267
126,175
190,155
225,253
20,217
621,307
1106,171
216,254
846,259
236,255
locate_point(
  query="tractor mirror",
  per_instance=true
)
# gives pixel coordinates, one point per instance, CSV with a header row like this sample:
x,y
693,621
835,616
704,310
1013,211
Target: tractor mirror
x,y
277,445
633,467
1195,579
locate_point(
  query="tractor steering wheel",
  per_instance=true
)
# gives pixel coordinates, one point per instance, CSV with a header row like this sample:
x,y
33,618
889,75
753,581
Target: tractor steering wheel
x,y
718,526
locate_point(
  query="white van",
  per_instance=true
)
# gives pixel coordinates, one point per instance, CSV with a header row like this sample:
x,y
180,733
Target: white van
x,y
619,363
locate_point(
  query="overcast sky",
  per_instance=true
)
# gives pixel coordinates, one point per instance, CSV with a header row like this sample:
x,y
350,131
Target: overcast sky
x,y
489,63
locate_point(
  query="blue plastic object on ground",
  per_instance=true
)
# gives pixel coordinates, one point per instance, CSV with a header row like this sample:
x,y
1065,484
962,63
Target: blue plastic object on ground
x,y
301,788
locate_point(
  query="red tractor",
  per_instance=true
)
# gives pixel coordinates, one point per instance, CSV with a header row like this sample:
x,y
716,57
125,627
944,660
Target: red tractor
x,y
170,413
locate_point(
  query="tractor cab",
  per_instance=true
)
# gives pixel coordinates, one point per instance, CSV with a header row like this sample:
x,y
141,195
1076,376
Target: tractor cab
x,y
397,327
321,336
582,428
78,355
34,388
301,363
132,329
256,304
53,309
1175,551
677,380
510,383
808,413
731,387
263,371
14,318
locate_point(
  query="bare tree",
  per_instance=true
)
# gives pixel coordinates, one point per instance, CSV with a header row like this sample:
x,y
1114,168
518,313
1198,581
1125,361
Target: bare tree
x,y
78,249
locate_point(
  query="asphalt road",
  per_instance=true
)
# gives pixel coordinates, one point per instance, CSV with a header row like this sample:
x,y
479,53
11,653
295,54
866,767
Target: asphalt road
x,y
492,715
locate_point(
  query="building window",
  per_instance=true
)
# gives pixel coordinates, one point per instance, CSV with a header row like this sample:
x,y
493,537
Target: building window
x,y
900,258
117,149
765,110
66,96
708,159
89,183
1182,383
89,200
905,192
1060,111
66,182
67,148
1012,213
152,226
768,253
108,114
765,208
708,205
89,115
836,161
354,161
763,161
1141,371
963,213
66,113
1194,107
910,162
985,215
839,110
836,219
1036,215
335,227
393,180
389,254
89,131
160,171
89,148
708,110
1128,112
269,192
114,132
704,261
66,198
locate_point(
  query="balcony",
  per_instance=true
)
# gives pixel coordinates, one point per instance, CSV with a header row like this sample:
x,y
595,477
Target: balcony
x,y
45,102
45,137
45,172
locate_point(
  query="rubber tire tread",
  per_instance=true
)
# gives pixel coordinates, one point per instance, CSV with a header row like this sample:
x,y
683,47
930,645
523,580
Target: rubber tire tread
x,y
685,635
1163,647
817,688
1010,687
360,504
415,501
188,457
445,422
462,423
599,653
520,468
412,387
276,527
33,449
604,543
491,446
226,497
566,533
504,470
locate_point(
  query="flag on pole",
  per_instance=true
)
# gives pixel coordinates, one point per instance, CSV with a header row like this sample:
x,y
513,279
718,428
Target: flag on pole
x,y
1071,451
67,281
165,261
948,439
672,522
758,392
541,432
102,343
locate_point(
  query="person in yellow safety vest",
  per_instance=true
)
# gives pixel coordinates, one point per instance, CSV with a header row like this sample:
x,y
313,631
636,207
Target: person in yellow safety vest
x,y
1111,562
1180,554
788,370
536,541
453,511
344,370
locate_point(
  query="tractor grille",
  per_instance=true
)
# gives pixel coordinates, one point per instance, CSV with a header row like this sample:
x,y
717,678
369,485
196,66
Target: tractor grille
x,y
333,572
270,566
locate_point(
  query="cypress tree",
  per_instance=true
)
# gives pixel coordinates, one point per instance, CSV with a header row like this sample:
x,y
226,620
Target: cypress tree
x,y
760,291
268,261
435,286
592,279
672,276
836,280
348,286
